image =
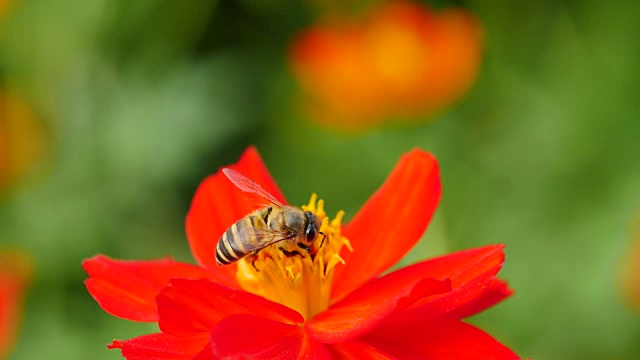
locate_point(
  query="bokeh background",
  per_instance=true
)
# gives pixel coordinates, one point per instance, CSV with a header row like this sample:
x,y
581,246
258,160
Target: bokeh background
x,y
130,104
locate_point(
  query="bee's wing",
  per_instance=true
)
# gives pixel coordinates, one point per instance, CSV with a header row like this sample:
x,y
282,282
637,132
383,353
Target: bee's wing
x,y
258,238
247,185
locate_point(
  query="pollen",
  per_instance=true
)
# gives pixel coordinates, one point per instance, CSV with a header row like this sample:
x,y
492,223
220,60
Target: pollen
x,y
292,276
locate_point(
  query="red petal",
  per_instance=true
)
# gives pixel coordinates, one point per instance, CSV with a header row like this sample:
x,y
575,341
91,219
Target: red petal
x,y
205,354
497,291
161,347
190,307
364,308
128,289
471,272
313,350
251,337
442,339
390,222
356,350
217,205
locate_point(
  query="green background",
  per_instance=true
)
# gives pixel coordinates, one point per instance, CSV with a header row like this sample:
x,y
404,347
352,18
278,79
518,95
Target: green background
x,y
142,99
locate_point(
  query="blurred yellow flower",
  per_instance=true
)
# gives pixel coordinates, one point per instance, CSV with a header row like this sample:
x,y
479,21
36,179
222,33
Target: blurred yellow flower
x,y
15,273
22,138
399,61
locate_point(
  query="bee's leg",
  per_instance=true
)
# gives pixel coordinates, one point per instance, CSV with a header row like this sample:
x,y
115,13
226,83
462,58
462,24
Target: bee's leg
x,y
304,246
289,253
253,257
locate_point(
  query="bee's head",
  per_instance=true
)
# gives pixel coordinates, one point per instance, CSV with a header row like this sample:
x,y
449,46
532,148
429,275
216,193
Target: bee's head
x,y
313,226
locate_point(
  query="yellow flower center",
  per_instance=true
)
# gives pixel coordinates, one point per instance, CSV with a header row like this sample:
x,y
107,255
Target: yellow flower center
x,y
299,279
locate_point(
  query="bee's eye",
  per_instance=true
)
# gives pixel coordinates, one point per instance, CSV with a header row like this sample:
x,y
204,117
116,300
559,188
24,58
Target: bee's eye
x,y
311,233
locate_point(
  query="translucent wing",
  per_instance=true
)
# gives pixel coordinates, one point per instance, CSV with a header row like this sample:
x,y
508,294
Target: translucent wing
x,y
258,238
249,186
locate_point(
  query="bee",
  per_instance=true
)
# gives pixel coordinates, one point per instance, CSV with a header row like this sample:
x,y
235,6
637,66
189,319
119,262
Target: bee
x,y
261,228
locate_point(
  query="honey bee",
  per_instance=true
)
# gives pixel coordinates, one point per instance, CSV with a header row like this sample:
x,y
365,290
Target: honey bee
x,y
274,223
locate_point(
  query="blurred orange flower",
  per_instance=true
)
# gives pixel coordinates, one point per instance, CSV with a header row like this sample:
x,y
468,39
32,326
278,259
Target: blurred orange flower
x,y
399,60
631,276
4,5
15,272
21,138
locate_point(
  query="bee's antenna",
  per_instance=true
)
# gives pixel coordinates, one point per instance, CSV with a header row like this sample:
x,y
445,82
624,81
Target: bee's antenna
x,y
324,236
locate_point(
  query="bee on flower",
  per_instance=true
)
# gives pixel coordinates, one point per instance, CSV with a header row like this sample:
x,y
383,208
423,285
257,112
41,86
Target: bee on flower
x,y
318,293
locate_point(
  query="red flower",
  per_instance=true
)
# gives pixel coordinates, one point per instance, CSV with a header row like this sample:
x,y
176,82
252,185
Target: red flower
x,y
15,272
332,305
400,60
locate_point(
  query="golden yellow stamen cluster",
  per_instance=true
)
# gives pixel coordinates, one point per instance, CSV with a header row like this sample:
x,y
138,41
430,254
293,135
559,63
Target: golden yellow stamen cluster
x,y
301,281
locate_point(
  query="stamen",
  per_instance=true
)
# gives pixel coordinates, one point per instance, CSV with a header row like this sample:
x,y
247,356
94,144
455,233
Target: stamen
x,y
293,276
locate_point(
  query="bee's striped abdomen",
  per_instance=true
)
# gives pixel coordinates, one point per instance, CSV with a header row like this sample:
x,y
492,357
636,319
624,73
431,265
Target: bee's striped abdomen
x,y
230,246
